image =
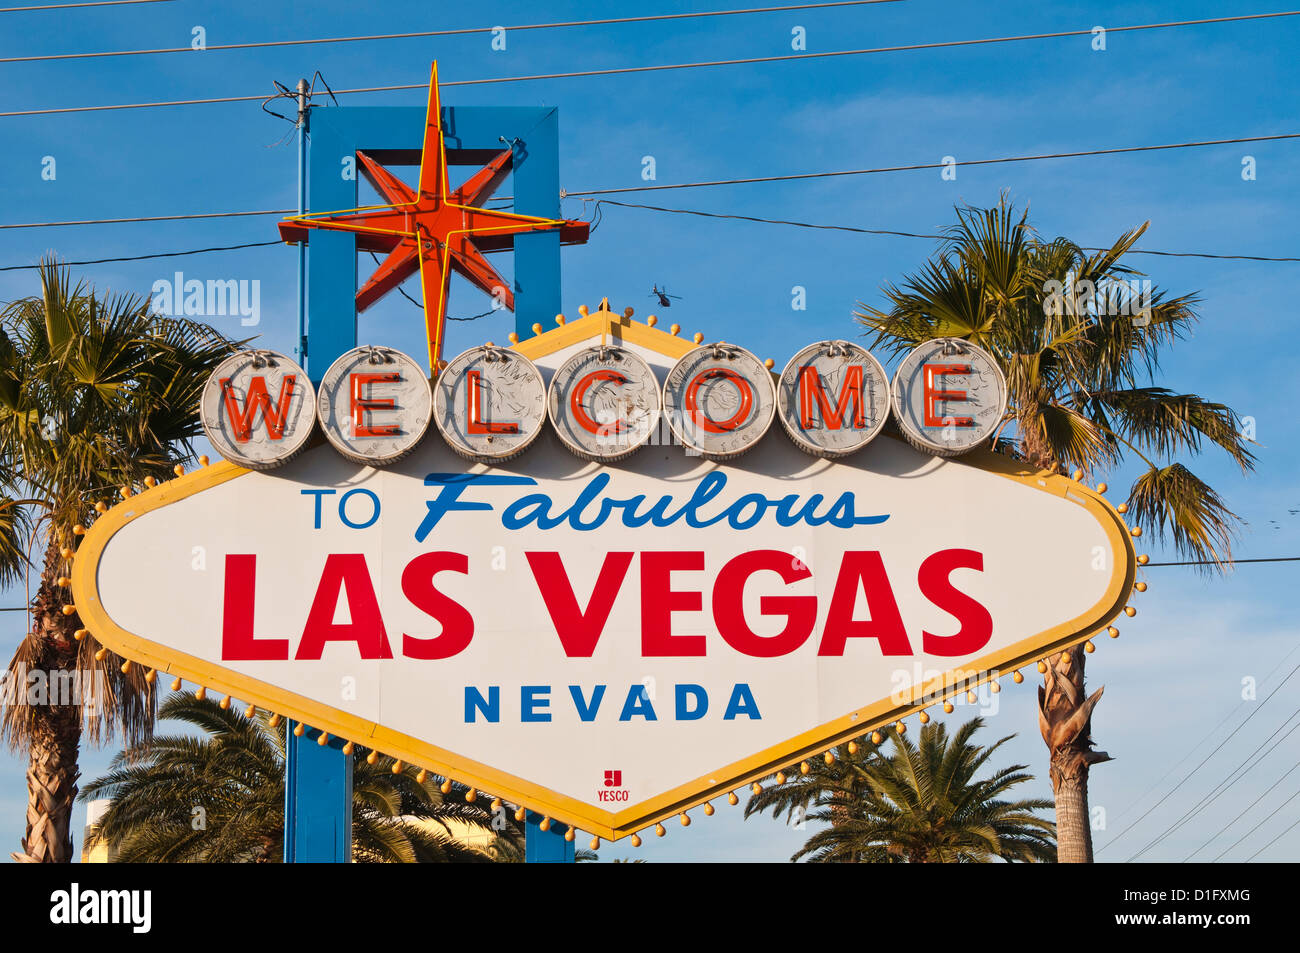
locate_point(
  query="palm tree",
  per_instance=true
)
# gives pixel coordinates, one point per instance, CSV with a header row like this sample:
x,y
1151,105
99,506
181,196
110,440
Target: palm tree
x,y
835,781
95,394
220,799
1079,337
922,804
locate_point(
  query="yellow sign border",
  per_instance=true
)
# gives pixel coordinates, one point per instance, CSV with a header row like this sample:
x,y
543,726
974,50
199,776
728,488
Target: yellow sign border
x,y
644,814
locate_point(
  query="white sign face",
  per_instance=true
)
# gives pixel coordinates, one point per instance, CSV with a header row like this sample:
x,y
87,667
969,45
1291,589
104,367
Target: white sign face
x,y
949,396
258,409
604,403
719,400
489,403
833,398
539,627
375,405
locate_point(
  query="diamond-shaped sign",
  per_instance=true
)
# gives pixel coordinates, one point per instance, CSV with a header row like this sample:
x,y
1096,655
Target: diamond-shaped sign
x,y
605,643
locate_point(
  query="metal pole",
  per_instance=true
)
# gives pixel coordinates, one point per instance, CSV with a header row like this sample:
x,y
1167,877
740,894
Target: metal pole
x,y
317,778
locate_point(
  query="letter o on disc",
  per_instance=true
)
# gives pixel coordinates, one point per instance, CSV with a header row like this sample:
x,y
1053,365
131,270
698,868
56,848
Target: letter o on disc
x,y
258,409
604,403
949,396
374,405
832,398
719,400
489,404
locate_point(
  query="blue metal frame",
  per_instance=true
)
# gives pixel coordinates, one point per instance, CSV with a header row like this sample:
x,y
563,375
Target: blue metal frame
x,y
318,779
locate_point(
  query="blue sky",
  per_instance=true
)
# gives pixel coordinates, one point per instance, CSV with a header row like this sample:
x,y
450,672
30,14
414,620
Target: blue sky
x,y
1174,679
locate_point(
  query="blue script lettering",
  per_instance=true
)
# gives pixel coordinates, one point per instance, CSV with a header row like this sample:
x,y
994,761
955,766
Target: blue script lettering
x,y
591,508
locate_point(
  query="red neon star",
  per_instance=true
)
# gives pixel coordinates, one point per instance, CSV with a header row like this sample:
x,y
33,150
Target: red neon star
x,y
432,229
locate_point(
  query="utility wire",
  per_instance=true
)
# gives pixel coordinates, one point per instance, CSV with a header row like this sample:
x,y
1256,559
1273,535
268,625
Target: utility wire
x,y
886,231
671,66
1201,743
933,165
1228,826
150,218
1273,841
68,6
1223,786
457,32
1230,562
1203,761
165,254
771,178
1215,791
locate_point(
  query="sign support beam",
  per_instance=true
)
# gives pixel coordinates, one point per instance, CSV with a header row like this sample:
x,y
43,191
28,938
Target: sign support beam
x,y
318,779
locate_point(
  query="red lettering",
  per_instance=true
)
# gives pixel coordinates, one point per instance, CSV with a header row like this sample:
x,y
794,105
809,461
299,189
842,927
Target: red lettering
x,y
728,604
474,397
579,630
933,395
976,623
345,571
238,644
885,624
418,587
659,601
275,417
363,406
697,414
813,391
580,413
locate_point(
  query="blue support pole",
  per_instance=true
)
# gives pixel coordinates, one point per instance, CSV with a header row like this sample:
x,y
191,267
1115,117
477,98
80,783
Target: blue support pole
x,y
317,798
546,847
317,778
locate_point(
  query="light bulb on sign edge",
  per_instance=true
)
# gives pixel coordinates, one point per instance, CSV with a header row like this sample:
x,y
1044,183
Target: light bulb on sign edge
x,y
660,831
947,708
1017,677
732,799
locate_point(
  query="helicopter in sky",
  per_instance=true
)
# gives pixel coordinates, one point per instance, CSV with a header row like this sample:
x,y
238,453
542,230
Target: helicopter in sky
x,y
663,296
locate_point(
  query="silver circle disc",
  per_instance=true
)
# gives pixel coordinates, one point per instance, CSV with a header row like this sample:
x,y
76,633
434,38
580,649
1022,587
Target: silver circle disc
x,y
374,405
258,409
833,398
604,403
719,400
489,403
949,396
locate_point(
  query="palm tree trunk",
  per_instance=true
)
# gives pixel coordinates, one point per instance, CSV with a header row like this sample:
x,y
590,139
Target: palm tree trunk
x,y
1065,721
53,730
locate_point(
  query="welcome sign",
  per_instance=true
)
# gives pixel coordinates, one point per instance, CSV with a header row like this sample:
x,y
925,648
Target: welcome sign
x,y
606,641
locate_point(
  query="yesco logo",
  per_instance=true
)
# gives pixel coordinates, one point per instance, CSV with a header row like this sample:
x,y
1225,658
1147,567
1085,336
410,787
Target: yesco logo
x,y
102,907
489,404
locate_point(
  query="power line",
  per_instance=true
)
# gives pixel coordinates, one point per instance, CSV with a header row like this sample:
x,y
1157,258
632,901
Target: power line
x,y
935,165
669,66
1204,741
149,218
67,6
1228,826
892,232
1215,791
430,33
1223,786
1273,841
1230,562
1198,767
165,254
760,179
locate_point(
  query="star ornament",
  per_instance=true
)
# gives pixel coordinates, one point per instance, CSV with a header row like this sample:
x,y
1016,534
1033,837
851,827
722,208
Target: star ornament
x,y
433,229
